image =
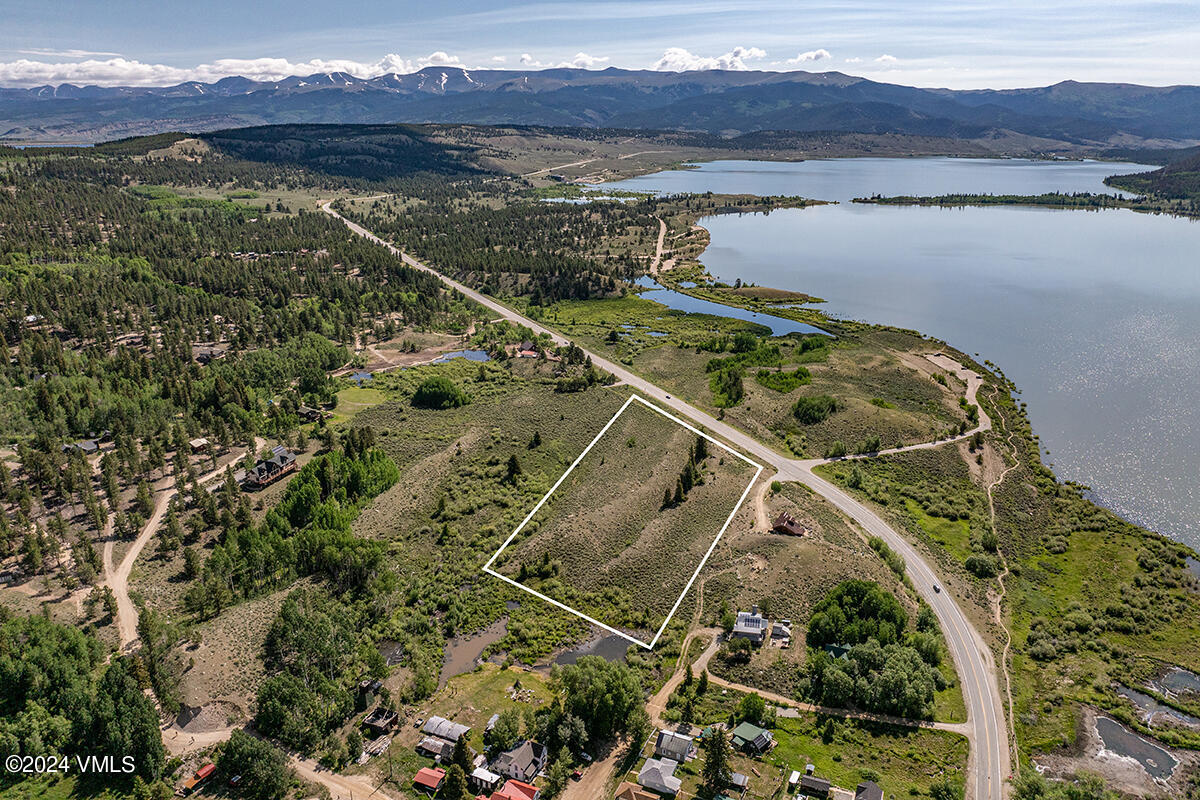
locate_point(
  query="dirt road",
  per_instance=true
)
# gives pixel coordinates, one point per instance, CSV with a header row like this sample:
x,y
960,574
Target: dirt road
x,y
117,579
658,248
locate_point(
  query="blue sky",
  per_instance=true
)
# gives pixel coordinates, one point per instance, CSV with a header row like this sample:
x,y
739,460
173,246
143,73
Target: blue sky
x,y
954,43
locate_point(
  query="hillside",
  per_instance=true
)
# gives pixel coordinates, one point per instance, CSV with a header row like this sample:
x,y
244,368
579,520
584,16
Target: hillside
x,y
1177,180
714,101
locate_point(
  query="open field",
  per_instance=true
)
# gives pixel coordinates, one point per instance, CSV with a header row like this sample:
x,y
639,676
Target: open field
x,y
454,504
626,526
354,399
901,760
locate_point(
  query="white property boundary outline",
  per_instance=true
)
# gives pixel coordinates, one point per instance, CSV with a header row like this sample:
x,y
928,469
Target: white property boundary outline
x,y
758,468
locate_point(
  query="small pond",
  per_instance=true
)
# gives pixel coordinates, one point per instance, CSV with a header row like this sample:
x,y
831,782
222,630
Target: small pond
x,y
469,355
610,648
362,377
1151,709
392,652
694,305
462,652
1177,681
1118,739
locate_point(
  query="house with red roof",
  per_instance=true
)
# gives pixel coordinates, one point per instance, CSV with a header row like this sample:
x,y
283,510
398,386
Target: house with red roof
x,y
517,790
430,779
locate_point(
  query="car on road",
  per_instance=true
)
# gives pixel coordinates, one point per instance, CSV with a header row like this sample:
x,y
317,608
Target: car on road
x,y
937,588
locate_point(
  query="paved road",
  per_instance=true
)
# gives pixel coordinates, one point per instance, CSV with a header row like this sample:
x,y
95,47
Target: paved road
x,y
989,760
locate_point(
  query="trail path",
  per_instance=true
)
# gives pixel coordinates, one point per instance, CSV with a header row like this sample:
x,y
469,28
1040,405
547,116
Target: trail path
x,y
989,762
998,606
761,520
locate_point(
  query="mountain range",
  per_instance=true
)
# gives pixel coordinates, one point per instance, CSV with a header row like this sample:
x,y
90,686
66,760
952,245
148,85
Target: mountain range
x,y
713,101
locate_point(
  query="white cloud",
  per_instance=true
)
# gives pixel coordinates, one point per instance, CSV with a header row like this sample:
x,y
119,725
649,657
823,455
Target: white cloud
x,y
499,59
677,59
579,61
811,55
855,60
39,51
119,71
584,61
886,59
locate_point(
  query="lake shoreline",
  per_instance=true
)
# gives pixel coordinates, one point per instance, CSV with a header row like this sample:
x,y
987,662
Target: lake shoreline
x,y
818,252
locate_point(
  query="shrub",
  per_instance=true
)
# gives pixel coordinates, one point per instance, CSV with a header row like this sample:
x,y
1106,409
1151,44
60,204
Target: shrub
x,y
783,381
439,391
811,410
727,388
982,566
893,559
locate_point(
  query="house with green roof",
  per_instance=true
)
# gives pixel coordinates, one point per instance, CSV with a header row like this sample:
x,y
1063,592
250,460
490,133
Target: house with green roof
x,y
752,738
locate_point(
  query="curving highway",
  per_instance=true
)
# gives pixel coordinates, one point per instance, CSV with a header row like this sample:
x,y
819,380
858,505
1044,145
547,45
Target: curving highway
x,y
988,765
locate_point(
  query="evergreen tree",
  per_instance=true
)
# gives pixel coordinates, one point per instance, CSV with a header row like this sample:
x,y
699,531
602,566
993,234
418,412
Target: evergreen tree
x,y
513,470
124,722
455,787
716,772
462,756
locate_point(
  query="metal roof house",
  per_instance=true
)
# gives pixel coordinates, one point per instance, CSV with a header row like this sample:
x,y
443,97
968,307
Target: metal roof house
x,y
517,790
281,462
484,780
813,786
430,779
435,748
868,790
659,775
631,791
445,729
750,625
675,746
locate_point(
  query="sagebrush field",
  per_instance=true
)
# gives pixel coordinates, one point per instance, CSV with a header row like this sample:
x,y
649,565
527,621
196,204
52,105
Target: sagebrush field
x,y
631,522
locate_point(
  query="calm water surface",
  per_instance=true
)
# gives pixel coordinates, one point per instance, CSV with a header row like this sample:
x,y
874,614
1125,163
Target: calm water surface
x,y
1094,314
1157,762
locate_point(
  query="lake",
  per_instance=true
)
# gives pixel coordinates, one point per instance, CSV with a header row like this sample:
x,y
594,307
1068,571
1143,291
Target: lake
x,y
1094,314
